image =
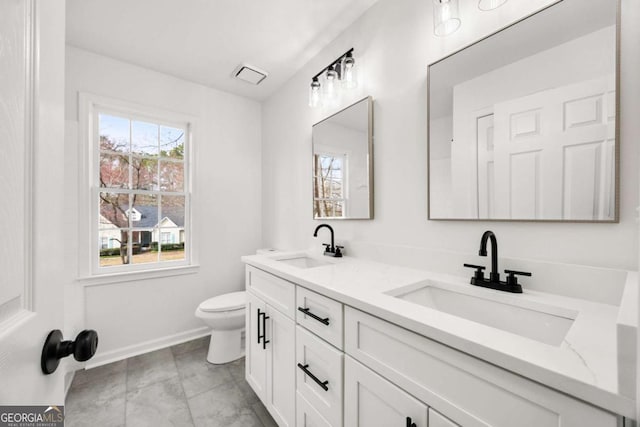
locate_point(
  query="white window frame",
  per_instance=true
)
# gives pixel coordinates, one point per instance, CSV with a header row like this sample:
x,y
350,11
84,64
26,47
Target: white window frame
x,y
90,272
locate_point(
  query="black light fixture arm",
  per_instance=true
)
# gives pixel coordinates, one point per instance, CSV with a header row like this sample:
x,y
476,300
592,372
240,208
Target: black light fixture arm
x,y
337,61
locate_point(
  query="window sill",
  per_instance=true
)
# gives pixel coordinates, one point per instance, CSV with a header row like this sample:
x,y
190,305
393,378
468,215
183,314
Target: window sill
x,y
130,276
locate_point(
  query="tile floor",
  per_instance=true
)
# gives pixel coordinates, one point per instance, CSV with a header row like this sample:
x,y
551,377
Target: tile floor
x,y
174,386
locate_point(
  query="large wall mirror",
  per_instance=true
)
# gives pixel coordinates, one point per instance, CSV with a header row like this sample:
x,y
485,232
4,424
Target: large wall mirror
x,y
342,164
523,124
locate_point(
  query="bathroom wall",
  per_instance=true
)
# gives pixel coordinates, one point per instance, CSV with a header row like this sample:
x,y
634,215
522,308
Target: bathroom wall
x,y
135,316
394,43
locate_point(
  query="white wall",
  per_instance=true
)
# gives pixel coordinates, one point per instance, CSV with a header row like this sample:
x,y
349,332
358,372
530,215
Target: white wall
x,y
394,43
132,316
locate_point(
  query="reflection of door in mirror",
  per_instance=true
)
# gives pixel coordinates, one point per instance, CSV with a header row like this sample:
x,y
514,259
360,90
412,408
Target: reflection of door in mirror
x,y
523,124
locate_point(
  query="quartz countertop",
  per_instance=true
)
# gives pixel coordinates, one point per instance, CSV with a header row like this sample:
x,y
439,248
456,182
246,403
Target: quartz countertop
x,y
584,365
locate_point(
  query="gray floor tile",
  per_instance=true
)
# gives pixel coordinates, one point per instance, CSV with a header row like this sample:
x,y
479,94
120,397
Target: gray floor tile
x,y
84,376
198,375
150,368
191,345
223,406
160,404
265,418
236,368
100,402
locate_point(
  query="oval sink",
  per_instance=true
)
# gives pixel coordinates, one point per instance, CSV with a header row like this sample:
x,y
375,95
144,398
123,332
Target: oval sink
x,y
546,324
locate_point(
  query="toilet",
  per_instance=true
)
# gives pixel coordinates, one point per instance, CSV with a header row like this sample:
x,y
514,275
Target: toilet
x,y
225,315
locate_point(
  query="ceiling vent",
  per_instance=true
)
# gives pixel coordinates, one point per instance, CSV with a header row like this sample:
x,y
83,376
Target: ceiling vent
x,y
250,74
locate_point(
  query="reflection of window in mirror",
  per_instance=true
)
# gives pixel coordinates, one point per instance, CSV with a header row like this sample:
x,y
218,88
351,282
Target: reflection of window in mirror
x,y
329,198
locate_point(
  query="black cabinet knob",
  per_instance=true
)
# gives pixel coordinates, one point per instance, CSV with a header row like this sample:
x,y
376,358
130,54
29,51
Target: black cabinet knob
x,y
410,423
54,349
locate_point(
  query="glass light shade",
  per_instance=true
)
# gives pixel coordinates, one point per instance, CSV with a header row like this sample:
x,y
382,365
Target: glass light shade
x,y
349,75
314,93
330,86
446,17
490,4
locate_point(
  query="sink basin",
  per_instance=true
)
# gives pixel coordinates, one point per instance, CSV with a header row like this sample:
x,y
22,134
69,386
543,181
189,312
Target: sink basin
x,y
304,262
543,323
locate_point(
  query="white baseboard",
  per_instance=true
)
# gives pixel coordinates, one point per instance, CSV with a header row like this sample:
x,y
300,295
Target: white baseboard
x,y
146,347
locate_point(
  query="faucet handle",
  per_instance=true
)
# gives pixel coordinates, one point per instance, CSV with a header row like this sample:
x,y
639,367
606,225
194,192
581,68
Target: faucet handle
x,y
479,274
512,279
327,247
338,247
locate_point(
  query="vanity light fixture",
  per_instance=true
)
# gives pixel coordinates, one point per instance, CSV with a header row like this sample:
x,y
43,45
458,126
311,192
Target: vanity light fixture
x,y
340,74
486,5
446,17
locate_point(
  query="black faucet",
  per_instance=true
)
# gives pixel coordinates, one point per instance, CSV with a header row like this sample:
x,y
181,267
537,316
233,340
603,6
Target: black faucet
x,y
493,282
494,276
330,249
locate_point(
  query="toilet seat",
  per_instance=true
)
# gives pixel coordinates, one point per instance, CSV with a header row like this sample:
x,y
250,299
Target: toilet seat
x,y
227,302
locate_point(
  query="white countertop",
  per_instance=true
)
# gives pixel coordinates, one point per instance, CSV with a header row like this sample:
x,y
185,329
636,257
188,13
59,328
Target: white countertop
x,y
585,365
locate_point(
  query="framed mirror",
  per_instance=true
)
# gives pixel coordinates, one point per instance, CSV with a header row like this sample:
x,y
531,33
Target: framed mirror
x,y
343,164
523,124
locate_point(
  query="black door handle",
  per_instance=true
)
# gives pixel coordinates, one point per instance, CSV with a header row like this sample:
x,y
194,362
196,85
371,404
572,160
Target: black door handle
x,y
305,369
262,336
306,311
265,341
410,423
54,349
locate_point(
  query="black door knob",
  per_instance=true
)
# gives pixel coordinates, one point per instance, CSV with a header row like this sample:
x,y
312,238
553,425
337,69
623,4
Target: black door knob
x,y
83,349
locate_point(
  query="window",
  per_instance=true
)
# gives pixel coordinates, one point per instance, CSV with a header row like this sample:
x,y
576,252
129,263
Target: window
x,y
329,199
140,191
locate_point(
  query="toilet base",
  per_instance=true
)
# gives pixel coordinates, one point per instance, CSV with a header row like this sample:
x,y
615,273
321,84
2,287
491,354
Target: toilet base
x,y
225,346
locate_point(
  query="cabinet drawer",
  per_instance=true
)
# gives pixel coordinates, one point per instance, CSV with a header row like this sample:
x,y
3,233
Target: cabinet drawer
x,y
466,390
437,420
323,315
325,363
307,415
275,291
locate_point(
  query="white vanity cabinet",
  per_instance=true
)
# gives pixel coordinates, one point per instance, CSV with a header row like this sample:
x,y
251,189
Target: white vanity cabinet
x,y
270,343
467,390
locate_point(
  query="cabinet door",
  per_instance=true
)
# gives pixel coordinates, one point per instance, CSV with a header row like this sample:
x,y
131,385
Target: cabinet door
x,y
372,401
256,354
281,374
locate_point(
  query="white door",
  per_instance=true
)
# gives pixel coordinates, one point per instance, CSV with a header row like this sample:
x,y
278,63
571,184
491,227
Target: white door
x,y
486,177
281,374
372,401
554,153
31,161
255,348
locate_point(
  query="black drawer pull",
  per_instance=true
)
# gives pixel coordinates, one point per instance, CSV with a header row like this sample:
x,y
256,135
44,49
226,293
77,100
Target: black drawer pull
x,y
322,384
410,423
313,316
263,336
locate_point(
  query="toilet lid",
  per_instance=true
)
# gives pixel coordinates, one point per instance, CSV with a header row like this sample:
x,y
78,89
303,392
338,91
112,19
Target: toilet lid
x,y
225,302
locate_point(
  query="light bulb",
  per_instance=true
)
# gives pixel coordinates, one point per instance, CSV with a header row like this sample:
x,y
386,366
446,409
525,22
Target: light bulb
x,y
349,78
446,18
314,93
330,85
490,4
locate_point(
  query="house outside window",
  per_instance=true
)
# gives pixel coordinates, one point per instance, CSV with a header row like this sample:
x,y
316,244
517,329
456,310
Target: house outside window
x,y
140,189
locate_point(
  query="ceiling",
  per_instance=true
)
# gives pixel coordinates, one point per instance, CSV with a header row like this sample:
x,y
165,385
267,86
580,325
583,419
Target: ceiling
x,y
203,41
